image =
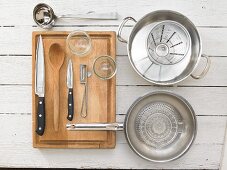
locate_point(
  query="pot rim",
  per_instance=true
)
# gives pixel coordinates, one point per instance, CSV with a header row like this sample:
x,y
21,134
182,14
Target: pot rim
x,y
165,82
155,93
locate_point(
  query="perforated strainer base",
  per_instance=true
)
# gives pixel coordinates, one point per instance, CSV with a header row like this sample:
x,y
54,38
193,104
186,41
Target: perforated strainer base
x,y
157,124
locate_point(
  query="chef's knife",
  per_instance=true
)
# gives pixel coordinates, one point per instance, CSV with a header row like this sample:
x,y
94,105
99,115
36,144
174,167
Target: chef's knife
x,y
70,91
40,86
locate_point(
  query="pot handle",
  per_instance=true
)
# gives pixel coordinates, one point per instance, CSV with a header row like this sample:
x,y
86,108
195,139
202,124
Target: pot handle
x,y
95,126
119,37
207,67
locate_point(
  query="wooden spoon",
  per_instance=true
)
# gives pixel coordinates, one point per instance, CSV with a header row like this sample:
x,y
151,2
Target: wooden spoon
x,y
56,56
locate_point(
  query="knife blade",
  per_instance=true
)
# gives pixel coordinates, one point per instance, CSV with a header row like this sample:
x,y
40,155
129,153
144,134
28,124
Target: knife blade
x,y
70,91
40,86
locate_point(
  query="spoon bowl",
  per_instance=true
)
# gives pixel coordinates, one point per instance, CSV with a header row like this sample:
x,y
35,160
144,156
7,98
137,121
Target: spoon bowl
x,y
56,56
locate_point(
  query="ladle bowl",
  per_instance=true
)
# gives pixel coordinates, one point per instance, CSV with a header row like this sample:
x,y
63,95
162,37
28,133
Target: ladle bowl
x,y
45,17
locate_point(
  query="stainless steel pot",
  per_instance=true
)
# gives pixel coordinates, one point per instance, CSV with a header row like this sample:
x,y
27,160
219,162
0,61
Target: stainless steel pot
x,y
164,47
159,126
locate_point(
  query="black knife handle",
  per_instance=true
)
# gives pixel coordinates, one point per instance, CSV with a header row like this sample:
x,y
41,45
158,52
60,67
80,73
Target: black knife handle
x,y
41,116
70,105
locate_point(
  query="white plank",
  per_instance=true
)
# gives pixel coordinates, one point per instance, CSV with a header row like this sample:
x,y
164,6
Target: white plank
x,y
204,100
20,130
23,155
15,70
16,149
17,40
20,72
209,103
202,13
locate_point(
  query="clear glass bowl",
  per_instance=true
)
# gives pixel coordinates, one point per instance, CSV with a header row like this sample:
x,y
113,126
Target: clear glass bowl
x,y
104,67
79,42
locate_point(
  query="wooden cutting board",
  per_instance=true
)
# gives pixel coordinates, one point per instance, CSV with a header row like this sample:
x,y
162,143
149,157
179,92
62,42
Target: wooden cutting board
x,y
101,95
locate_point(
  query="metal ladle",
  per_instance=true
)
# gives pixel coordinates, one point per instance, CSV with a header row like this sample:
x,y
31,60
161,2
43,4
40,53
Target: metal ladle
x,y
44,16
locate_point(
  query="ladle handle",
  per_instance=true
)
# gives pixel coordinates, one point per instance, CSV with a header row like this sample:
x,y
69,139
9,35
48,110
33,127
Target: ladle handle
x,y
96,127
92,16
119,37
206,69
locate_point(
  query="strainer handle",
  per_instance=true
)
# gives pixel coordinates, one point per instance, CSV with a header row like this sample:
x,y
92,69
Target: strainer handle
x,y
206,69
95,127
119,37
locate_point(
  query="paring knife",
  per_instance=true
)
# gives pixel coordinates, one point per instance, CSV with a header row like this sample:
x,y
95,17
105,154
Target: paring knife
x,y
40,86
70,91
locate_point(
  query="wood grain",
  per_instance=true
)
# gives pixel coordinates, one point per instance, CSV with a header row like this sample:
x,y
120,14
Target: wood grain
x,y
20,72
56,56
101,101
207,96
213,39
18,146
215,11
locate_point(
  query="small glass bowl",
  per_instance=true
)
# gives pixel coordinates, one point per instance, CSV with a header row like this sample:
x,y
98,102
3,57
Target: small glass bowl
x,y
79,42
104,67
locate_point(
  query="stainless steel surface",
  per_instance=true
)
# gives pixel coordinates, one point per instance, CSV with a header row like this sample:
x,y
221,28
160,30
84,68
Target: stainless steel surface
x,y
156,69
40,69
125,20
97,126
92,15
183,114
159,126
44,16
70,74
206,68
83,80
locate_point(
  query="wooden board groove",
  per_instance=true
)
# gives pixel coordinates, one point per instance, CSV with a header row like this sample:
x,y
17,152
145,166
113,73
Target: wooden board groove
x,y
101,95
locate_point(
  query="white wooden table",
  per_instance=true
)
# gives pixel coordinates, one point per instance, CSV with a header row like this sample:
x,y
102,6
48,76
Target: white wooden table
x,y
208,96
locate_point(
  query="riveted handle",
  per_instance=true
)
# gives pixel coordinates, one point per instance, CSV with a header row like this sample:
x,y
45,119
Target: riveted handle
x,y
119,37
40,117
70,105
206,68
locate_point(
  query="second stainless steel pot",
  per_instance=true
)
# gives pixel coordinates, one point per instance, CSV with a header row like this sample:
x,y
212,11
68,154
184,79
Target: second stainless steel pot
x,y
159,126
164,47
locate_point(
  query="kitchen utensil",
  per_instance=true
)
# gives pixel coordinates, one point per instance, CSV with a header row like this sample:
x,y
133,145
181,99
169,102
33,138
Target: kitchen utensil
x,y
70,91
101,94
104,67
79,42
45,17
164,47
83,80
40,86
56,57
159,126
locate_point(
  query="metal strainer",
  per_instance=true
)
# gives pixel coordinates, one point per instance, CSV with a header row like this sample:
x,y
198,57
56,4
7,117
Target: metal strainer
x,y
159,126
168,43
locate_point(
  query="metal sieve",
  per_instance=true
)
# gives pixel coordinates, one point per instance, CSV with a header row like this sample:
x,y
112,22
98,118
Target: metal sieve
x,y
168,43
159,126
